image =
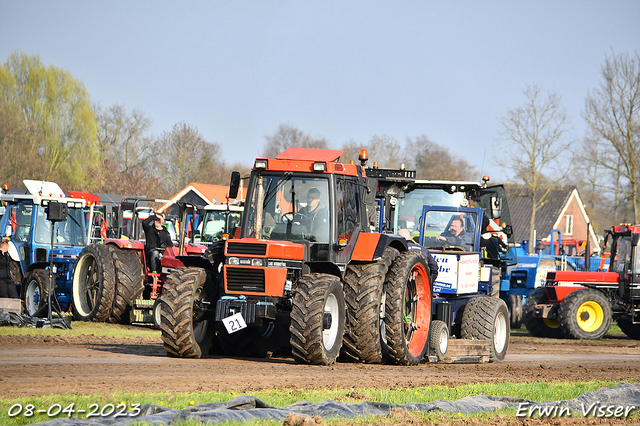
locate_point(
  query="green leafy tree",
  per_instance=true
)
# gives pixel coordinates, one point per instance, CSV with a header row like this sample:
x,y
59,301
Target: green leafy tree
x,y
56,108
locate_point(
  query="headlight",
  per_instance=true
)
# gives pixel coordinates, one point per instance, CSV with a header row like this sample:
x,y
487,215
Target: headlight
x,y
233,261
256,262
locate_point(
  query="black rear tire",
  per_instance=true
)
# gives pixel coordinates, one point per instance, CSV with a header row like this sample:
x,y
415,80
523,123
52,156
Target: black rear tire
x,y
317,319
129,282
364,295
35,293
188,329
94,284
515,310
585,314
439,339
408,297
539,327
631,330
487,318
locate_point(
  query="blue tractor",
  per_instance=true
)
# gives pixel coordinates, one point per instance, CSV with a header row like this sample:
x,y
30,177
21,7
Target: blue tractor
x,y
25,222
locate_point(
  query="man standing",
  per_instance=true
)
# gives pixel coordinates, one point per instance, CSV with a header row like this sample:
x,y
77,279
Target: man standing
x,y
456,235
157,238
7,286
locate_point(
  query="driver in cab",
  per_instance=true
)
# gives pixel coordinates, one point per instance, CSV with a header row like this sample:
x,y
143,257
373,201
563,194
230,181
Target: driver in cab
x,y
456,235
314,216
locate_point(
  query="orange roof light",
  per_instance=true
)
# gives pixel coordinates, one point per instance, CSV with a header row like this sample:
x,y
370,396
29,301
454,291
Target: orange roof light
x,y
363,156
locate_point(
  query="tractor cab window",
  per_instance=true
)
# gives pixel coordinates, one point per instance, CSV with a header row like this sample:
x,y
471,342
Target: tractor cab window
x,y
289,208
622,257
69,232
410,207
218,222
22,224
449,229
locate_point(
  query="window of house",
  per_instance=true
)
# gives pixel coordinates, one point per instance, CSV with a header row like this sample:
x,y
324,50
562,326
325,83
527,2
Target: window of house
x,y
568,224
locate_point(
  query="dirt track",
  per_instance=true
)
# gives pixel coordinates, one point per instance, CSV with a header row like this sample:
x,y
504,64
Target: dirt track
x,y
37,365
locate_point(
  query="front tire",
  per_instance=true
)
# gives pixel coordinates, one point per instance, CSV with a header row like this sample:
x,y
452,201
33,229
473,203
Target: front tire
x,y
585,314
439,340
36,290
407,308
487,318
317,319
94,284
187,325
539,327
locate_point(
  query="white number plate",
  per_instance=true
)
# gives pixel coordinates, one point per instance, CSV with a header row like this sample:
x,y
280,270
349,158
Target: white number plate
x,y
234,323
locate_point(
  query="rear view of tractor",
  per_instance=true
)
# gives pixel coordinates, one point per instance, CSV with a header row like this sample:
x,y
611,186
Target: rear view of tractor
x,y
303,273
112,276
583,304
26,222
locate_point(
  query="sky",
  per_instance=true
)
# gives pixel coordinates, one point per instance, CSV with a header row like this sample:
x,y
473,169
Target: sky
x,y
342,70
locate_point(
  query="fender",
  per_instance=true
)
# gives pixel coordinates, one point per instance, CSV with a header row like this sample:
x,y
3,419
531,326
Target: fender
x,y
370,247
13,252
127,244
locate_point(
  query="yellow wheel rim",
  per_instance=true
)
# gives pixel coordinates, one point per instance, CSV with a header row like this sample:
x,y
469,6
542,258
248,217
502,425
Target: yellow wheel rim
x,y
590,316
551,323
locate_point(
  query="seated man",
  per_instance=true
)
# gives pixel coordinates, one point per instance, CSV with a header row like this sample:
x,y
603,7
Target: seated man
x,y
314,216
456,235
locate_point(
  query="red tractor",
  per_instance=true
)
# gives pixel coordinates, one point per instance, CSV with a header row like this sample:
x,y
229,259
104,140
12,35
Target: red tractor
x,y
299,270
111,277
582,305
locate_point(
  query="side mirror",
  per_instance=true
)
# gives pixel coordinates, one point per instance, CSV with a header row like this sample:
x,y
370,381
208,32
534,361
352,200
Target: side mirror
x,y
370,191
496,207
234,185
9,231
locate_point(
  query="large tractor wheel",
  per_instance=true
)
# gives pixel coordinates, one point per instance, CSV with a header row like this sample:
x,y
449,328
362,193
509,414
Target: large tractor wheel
x,y
35,286
539,327
585,314
129,282
317,319
187,325
16,271
407,308
495,281
487,318
94,284
514,303
630,329
364,294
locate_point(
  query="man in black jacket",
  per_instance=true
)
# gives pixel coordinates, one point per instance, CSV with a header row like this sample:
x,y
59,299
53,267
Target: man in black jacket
x,y
7,286
157,238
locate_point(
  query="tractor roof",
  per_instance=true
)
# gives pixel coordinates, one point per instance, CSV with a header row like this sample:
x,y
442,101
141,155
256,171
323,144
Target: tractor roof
x,y
310,154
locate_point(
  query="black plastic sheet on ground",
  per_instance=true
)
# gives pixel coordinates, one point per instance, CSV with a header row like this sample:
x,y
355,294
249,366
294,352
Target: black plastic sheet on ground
x,y
243,408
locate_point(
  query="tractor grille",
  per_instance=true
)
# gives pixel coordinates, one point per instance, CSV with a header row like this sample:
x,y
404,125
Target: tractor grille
x,y
245,280
247,248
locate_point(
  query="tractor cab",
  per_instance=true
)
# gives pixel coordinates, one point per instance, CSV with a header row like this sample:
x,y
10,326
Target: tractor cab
x,y
306,198
625,258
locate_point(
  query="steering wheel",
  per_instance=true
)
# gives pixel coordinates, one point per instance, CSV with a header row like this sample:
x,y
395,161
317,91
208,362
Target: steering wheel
x,y
453,248
287,217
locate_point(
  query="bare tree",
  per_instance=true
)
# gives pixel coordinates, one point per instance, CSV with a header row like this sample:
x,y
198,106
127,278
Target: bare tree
x,y
184,156
433,161
122,137
535,134
290,137
613,115
384,150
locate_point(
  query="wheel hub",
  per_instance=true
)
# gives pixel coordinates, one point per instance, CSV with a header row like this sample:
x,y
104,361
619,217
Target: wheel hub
x,y
327,319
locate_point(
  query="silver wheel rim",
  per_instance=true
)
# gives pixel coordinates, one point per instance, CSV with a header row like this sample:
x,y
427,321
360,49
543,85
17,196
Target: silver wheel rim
x,y
329,335
500,332
33,296
443,341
